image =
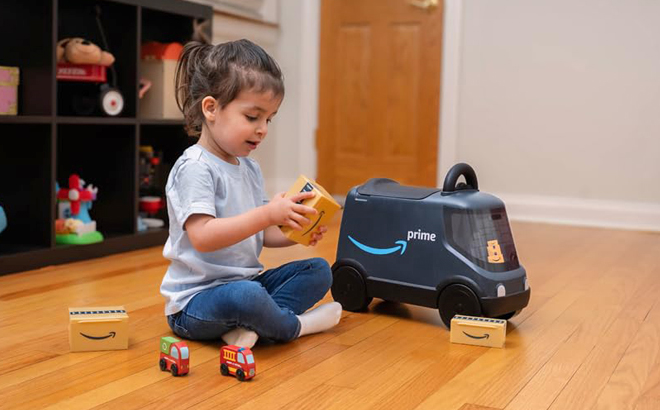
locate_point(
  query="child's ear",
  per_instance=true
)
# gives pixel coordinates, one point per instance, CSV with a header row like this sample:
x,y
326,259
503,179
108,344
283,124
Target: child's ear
x,y
210,108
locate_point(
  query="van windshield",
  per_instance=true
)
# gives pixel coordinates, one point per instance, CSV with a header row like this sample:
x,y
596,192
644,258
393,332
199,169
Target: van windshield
x,y
482,236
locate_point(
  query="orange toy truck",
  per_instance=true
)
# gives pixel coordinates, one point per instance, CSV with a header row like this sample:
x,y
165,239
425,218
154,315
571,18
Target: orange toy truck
x,y
174,356
238,361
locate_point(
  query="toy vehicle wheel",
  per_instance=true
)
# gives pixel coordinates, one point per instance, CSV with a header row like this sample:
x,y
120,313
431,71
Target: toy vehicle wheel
x,y
224,370
240,375
174,370
457,299
349,289
162,364
509,315
112,102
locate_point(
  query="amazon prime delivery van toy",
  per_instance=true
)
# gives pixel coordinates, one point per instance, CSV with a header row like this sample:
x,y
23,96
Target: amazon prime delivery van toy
x,y
450,249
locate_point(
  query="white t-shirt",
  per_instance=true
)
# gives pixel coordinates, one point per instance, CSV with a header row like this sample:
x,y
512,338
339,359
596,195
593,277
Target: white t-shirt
x,y
202,183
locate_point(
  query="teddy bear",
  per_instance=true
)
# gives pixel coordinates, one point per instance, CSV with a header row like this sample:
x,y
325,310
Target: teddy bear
x,y
78,50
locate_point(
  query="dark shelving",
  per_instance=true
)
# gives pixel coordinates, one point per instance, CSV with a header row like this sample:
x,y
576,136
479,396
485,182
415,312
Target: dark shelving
x,y
48,140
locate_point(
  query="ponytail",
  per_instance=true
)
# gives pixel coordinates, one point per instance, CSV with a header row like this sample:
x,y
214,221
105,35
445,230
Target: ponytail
x,y
189,63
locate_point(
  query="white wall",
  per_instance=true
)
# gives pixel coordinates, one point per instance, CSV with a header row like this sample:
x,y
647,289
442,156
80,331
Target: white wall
x,y
558,107
555,104
289,148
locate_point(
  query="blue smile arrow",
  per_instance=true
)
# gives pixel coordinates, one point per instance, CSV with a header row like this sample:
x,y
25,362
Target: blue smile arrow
x,y
380,251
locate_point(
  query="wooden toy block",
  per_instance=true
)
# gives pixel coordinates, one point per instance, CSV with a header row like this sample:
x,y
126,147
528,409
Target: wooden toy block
x,y
98,328
323,202
478,331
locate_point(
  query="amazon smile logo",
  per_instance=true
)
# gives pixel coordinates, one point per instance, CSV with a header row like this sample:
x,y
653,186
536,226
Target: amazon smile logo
x,y
400,245
111,334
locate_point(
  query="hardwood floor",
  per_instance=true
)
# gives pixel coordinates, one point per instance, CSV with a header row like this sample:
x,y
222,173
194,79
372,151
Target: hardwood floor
x,y
590,338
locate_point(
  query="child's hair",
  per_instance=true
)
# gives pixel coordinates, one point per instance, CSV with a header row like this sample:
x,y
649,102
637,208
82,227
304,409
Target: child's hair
x,y
222,71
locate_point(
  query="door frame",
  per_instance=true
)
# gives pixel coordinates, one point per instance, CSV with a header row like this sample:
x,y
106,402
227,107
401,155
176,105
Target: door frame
x,y
449,86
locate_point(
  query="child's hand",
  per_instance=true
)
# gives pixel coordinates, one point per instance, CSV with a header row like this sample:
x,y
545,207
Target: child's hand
x,y
286,212
318,235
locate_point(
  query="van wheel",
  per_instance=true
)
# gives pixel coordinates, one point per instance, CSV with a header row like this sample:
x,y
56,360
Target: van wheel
x,y
162,364
509,315
224,369
174,370
240,375
349,289
457,299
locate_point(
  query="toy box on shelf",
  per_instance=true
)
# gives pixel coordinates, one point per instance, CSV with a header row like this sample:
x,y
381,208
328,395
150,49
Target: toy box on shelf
x,y
9,79
74,226
157,68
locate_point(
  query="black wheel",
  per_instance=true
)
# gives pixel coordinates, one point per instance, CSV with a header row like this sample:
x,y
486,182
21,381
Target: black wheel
x,y
224,370
457,299
348,288
174,370
509,315
240,375
162,364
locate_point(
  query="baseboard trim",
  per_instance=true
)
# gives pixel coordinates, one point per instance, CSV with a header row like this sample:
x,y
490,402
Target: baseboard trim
x,y
583,212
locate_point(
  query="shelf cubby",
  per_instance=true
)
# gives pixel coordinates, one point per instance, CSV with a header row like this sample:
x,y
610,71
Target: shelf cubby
x,y
25,166
26,27
78,18
48,141
109,164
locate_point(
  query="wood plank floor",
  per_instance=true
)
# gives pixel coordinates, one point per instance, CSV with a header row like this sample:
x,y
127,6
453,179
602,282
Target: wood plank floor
x,y
590,339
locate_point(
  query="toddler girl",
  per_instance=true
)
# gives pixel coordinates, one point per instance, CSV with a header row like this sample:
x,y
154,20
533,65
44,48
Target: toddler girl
x,y
220,217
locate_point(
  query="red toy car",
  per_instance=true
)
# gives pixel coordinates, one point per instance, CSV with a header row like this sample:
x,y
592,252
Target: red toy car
x,y
238,361
174,356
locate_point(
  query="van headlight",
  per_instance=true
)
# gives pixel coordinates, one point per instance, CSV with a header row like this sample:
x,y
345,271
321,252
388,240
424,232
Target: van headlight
x,y
526,285
501,290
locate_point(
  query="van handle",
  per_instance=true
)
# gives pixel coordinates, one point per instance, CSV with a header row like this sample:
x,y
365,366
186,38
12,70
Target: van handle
x,y
455,172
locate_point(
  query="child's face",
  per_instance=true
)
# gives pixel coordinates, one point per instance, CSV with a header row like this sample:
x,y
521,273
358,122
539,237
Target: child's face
x,y
238,128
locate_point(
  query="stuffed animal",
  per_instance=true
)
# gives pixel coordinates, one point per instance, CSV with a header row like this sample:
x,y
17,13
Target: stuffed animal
x,y
77,50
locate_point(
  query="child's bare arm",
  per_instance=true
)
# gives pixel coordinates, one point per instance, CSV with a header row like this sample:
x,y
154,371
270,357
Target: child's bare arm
x,y
274,238
208,234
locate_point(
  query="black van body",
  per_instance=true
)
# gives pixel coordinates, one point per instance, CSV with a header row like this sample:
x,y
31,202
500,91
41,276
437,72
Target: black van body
x,y
450,249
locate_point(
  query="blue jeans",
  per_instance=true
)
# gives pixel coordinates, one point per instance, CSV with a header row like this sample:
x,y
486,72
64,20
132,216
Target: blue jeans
x,y
268,304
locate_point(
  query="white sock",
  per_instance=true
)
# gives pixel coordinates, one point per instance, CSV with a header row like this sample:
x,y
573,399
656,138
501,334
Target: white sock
x,y
319,319
241,337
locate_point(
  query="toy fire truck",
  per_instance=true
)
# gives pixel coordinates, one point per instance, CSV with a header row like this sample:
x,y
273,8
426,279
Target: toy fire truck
x,y
238,361
174,356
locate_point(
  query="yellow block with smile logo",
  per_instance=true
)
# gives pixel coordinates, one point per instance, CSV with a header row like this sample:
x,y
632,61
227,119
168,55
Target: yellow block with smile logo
x,y
478,331
98,328
323,202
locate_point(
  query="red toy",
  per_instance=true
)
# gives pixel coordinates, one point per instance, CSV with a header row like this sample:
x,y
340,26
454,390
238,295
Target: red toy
x,y
174,356
238,361
75,194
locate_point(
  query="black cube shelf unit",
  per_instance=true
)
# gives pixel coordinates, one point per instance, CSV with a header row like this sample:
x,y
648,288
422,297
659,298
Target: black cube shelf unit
x,y
43,145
